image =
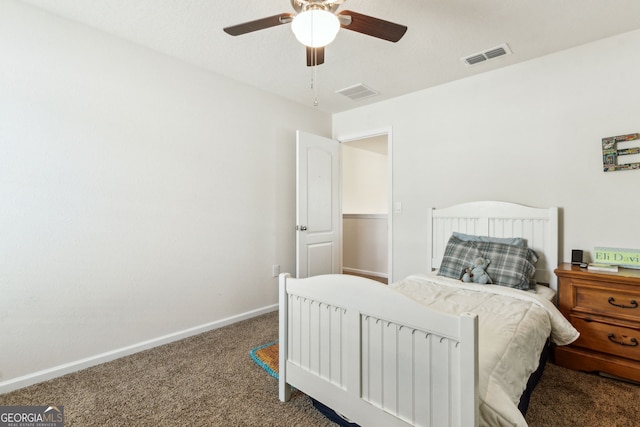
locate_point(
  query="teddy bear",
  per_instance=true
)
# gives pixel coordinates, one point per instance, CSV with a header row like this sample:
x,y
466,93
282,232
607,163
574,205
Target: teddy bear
x,y
477,273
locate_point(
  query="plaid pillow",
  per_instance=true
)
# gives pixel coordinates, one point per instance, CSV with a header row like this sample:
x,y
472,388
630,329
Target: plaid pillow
x,y
510,265
516,241
533,258
458,255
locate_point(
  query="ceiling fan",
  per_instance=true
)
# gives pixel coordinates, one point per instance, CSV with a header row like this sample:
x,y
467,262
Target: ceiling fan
x,y
316,23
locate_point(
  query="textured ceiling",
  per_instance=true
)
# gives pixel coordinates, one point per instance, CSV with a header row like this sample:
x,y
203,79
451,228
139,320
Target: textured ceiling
x,y
440,33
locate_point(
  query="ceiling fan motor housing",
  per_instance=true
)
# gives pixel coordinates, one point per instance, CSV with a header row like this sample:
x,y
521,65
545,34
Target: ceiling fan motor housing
x,y
328,5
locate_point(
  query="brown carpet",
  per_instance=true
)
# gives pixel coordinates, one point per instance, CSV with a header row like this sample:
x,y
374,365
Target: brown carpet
x,y
210,380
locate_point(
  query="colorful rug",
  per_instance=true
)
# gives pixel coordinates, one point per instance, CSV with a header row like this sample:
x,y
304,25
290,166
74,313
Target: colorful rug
x,y
266,356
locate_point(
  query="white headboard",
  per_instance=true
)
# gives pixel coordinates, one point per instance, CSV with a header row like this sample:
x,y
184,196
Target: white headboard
x,y
499,219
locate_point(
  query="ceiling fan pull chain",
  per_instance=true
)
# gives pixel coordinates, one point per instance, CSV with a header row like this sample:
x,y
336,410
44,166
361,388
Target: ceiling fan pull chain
x,y
314,77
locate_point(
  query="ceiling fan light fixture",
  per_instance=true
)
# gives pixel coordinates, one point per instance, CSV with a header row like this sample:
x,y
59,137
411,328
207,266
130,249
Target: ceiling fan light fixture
x,y
315,27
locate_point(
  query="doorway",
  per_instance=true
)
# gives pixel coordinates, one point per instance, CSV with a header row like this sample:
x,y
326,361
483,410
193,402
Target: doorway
x,y
366,196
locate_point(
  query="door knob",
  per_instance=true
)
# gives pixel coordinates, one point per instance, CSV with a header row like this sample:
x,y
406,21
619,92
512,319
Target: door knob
x,y
303,228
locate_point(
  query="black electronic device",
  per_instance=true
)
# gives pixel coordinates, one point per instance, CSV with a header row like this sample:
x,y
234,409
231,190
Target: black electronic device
x,y
576,256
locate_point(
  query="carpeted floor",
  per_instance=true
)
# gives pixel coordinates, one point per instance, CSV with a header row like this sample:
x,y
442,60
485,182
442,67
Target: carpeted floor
x,y
210,380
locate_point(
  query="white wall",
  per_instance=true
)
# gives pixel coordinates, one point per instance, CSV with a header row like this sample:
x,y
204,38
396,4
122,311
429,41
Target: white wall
x,y
365,247
364,180
529,133
140,197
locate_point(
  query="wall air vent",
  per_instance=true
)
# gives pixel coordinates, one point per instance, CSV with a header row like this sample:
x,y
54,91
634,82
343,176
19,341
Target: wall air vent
x,y
357,92
493,53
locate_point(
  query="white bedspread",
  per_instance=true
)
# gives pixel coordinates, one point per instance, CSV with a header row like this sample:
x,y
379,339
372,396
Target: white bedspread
x,y
513,328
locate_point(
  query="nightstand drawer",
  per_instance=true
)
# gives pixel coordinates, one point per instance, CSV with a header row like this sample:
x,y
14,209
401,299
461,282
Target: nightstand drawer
x,y
607,338
609,302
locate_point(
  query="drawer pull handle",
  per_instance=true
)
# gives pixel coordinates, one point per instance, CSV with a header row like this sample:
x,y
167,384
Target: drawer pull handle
x,y
612,301
633,343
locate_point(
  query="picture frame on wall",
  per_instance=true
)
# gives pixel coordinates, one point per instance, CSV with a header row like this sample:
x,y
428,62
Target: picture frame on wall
x,y
611,152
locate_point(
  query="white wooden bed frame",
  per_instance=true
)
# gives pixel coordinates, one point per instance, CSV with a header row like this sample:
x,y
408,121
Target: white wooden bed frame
x,y
381,359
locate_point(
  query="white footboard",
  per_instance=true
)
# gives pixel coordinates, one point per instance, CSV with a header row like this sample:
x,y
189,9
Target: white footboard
x,y
376,356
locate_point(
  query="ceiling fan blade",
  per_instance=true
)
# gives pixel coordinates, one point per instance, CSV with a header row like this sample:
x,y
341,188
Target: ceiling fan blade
x,y
259,24
371,26
315,56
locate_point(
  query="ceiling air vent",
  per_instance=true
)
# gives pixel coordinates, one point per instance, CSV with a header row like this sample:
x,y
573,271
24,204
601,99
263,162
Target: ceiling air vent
x,y
357,92
495,52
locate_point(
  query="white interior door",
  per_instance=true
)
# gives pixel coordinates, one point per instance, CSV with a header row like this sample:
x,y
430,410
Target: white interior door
x,y
318,225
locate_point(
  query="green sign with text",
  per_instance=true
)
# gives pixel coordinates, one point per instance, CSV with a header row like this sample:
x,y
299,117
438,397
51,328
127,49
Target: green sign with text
x,y
629,258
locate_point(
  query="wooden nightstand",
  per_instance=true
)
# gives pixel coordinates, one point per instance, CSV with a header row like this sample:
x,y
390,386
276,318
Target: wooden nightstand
x,y
604,308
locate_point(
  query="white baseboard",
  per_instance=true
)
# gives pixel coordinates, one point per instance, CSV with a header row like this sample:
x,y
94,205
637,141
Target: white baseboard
x,y
67,368
365,272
